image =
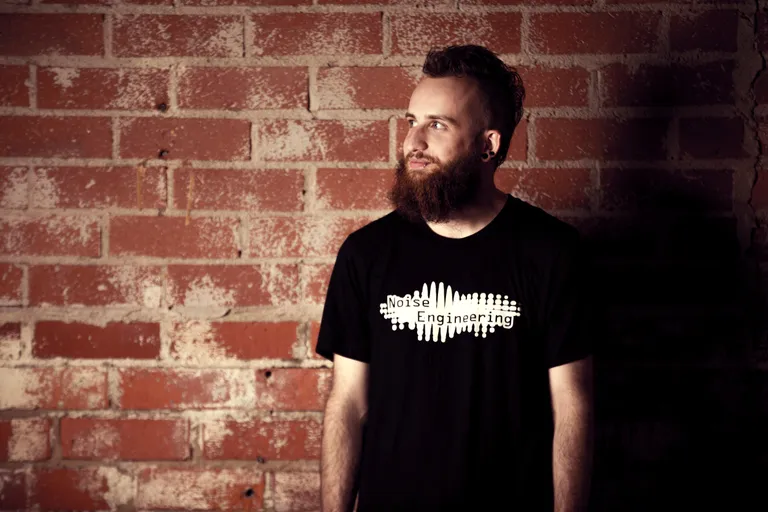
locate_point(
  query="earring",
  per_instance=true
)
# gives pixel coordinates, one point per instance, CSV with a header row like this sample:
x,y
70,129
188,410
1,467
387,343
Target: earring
x,y
485,155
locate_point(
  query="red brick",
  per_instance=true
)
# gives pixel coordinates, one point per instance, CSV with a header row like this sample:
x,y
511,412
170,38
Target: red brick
x,y
200,489
712,138
549,189
243,88
235,285
193,139
421,3
296,491
708,31
415,34
78,2
171,237
13,187
115,340
762,31
102,88
300,237
108,2
292,389
271,440
761,88
65,137
330,140
99,187
518,146
10,341
85,488
6,433
201,341
14,91
596,32
665,1
762,130
27,34
525,2
314,331
179,389
354,189
13,490
657,189
315,277
366,87
574,139
316,33
173,35
25,439
95,285
265,190
247,2
10,284
555,87
53,388
671,85
10,330
124,439
50,236
760,191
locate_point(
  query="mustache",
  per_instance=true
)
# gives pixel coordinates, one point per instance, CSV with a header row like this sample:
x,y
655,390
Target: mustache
x,y
420,156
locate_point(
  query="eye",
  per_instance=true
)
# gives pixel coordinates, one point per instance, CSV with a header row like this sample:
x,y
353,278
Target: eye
x,y
438,125
410,122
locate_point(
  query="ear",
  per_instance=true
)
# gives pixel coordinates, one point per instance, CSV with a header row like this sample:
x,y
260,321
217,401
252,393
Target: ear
x,y
491,143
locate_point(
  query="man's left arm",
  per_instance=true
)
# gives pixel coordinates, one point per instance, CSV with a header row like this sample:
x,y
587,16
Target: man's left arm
x,y
572,403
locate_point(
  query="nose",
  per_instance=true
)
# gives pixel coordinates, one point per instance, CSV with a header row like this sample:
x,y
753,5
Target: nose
x,y
414,141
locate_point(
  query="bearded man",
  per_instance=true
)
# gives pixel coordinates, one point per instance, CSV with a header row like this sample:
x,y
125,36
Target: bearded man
x,y
462,375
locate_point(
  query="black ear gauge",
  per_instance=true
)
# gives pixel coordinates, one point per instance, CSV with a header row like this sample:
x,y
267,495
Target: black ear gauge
x,y
492,153
485,155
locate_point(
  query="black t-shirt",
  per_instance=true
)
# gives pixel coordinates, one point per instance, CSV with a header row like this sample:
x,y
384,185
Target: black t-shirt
x,y
459,335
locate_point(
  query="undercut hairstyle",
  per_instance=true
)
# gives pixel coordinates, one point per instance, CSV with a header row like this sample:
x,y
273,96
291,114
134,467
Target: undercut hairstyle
x,y
501,88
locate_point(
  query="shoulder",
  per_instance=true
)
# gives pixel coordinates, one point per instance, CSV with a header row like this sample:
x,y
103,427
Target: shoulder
x,y
367,240
542,231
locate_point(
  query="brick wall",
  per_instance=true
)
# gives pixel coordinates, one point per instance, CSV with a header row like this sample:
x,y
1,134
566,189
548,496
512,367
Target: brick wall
x,y
176,176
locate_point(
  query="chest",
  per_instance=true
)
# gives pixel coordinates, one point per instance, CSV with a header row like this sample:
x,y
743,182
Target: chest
x,y
454,307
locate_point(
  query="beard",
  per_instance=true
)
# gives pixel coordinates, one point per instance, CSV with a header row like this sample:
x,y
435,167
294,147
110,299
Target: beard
x,y
436,195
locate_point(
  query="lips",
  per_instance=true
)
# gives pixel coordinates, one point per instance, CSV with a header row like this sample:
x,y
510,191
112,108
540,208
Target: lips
x,y
416,163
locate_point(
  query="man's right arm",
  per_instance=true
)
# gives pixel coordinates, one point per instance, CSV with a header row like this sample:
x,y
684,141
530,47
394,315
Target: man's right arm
x,y
345,413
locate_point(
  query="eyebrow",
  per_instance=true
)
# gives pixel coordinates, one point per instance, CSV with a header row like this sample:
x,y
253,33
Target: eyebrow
x,y
437,117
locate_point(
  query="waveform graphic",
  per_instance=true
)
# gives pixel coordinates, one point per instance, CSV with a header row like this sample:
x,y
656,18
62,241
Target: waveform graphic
x,y
438,312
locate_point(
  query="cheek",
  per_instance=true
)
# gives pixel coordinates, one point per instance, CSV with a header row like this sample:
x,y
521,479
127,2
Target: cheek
x,y
446,148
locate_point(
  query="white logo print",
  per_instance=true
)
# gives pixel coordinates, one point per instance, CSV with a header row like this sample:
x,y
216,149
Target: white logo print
x,y
441,311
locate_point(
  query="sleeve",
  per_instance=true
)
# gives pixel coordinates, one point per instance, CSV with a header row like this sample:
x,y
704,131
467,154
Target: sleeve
x,y
569,306
344,326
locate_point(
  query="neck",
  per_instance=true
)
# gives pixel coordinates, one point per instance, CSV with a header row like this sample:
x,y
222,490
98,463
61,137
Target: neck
x,y
474,217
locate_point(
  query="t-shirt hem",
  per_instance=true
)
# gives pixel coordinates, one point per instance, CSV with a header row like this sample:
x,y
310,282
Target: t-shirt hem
x,y
569,359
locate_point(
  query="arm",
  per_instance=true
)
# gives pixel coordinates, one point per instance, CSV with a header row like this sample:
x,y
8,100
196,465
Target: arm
x,y
571,387
342,433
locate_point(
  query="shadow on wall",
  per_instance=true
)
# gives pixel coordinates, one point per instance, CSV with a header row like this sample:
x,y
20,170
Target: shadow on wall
x,y
682,411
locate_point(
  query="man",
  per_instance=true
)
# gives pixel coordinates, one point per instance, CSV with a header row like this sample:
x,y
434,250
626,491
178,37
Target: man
x,y
462,366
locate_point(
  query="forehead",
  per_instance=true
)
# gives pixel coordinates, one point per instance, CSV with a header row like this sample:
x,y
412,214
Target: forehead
x,y
450,96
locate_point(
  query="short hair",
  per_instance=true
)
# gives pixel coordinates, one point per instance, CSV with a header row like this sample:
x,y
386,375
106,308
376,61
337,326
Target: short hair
x,y
501,88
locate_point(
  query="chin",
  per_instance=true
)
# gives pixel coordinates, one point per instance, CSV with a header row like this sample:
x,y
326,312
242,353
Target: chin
x,y
419,174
